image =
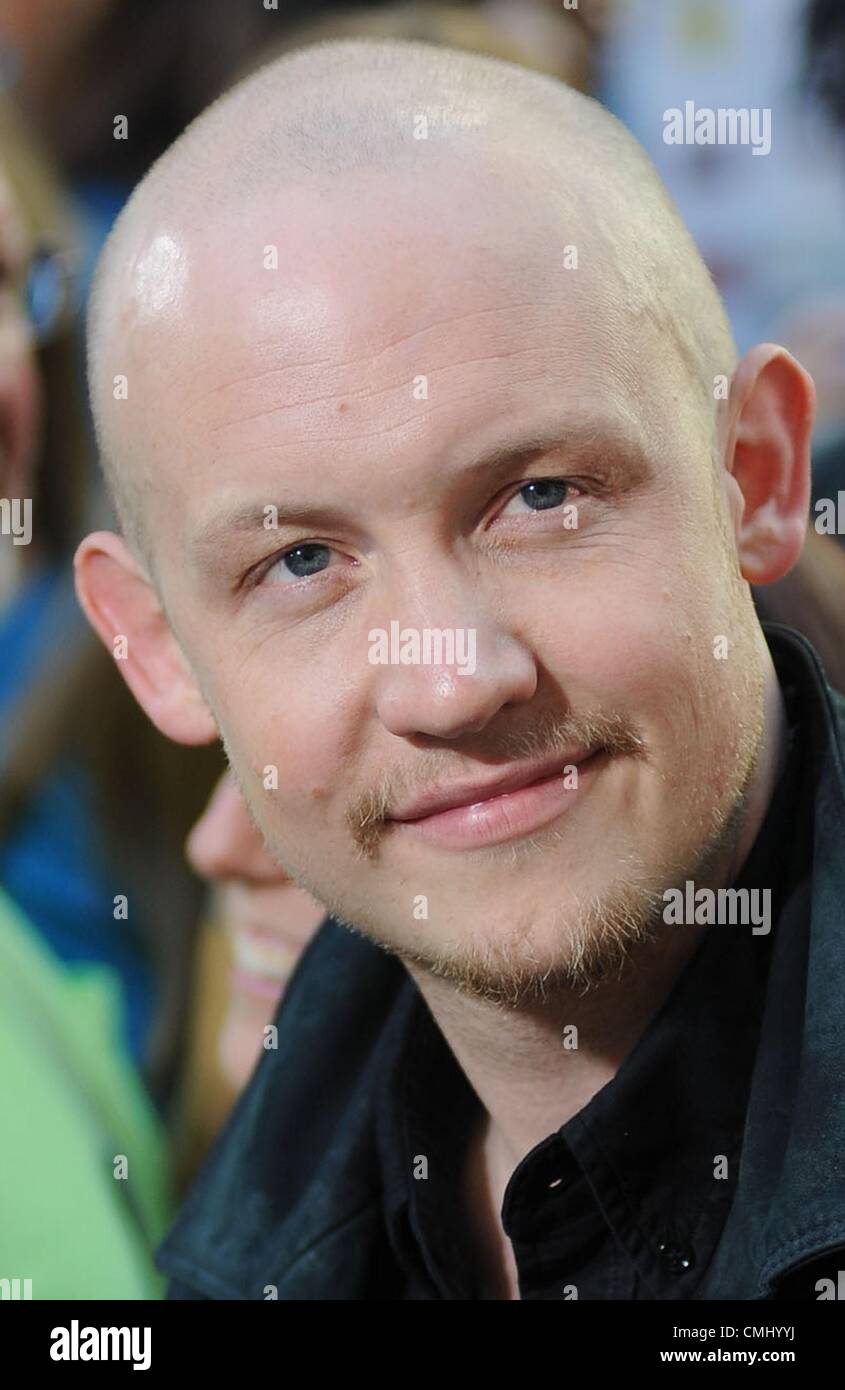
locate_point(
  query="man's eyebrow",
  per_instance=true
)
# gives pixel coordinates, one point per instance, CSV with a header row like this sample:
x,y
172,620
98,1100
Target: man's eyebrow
x,y
577,441
250,518
621,450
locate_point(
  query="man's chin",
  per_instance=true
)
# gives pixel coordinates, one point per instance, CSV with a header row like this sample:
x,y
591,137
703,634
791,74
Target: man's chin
x,y
527,957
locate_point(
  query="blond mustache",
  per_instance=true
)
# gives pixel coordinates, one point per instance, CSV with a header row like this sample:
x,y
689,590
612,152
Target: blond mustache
x,y
549,735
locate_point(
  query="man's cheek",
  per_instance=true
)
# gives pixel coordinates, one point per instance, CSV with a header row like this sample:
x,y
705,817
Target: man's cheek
x,y
301,777
616,650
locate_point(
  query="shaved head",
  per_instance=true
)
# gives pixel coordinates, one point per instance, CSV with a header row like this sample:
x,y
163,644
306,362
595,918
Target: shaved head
x,y
337,116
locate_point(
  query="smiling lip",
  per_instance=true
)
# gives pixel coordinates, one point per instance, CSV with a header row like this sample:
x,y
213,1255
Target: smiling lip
x,y
516,804
265,986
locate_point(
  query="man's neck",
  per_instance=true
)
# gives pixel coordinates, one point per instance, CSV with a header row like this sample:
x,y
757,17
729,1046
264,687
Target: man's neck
x,y
513,1057
529,1084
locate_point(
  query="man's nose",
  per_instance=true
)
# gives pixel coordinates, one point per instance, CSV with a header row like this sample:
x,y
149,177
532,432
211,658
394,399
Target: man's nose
x,y
448,679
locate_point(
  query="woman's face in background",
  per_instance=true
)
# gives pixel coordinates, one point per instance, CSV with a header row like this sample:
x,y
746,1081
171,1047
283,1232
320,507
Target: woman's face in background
x,y
268,921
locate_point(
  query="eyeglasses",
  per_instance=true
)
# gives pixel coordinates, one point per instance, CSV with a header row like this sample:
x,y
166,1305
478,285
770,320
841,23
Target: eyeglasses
x,y
48,290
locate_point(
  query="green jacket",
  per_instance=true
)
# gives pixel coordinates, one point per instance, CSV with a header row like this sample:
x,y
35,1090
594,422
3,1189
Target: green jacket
x,y
72,1104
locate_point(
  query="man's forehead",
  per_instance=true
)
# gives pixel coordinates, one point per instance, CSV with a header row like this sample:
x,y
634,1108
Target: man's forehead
x,y
359,226
310,304
298,377
302,321
305,376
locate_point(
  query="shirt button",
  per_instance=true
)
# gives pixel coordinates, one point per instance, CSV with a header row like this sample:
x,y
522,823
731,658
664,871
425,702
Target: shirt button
x,y
676,1258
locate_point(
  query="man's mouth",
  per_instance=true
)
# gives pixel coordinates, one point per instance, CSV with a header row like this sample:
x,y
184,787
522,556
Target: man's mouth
x,y
513,804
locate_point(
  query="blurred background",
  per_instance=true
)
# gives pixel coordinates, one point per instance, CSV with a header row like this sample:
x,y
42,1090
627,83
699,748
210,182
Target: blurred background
x,y
145,935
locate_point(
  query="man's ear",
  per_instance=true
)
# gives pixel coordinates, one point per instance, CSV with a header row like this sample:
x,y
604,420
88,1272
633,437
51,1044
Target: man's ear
x,y
120,602
771,407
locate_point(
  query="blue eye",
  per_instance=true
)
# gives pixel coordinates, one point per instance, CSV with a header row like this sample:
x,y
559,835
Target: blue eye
x,y
541,495
305,560
544,493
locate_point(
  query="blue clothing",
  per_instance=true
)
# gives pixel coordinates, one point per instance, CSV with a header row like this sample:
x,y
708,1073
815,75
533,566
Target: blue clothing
x,y
54,864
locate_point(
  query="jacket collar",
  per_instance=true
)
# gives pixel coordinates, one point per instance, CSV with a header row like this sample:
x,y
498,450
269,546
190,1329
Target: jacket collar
x,y
789,1206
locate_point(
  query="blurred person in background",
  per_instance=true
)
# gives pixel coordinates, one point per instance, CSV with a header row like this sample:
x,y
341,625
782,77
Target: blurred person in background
x,y
769,227
266,918
257,926
84,1192
90,807
771,233
812,597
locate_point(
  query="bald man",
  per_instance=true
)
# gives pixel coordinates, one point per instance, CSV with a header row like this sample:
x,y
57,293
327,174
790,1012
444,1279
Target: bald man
x,y
441,492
